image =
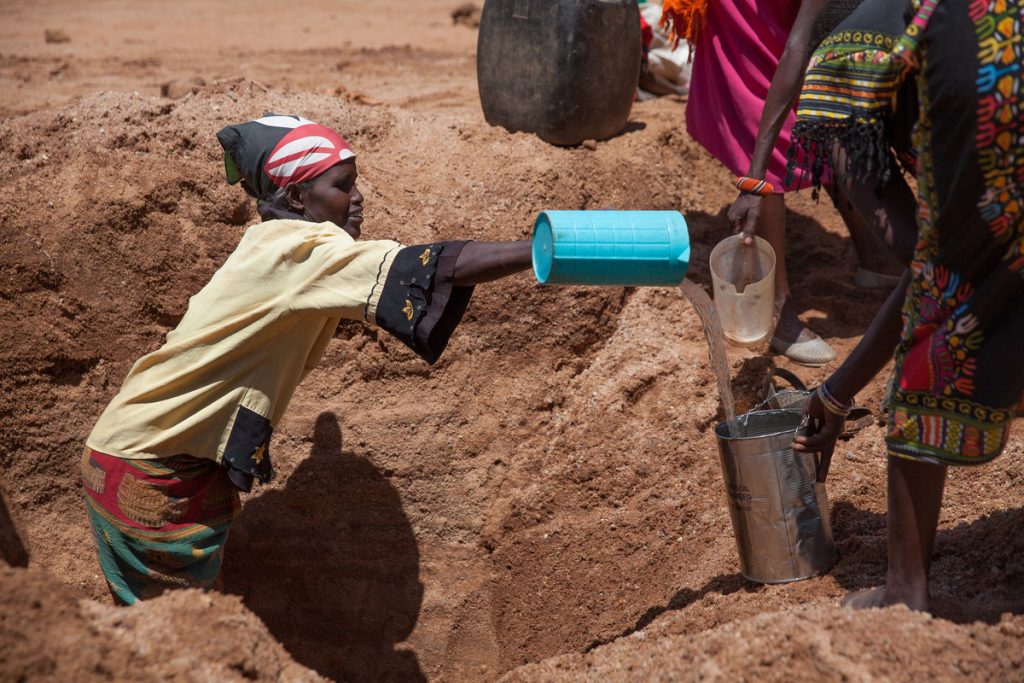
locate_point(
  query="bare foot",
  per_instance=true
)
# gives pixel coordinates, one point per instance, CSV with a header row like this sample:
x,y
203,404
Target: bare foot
x,y
882,597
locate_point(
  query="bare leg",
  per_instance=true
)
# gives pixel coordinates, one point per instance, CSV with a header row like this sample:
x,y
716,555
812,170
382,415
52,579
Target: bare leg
x,y
869,237
771,225
882,221
915,498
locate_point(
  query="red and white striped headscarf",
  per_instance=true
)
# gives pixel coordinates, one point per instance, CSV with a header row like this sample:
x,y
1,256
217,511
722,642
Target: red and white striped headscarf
x,y
275,151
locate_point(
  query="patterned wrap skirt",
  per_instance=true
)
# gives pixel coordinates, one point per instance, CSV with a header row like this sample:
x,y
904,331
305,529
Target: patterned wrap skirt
x,y
959,375
952,72
854,97
158,524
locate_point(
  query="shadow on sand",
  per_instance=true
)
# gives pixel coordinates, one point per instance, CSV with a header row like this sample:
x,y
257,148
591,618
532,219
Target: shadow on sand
x,y
683,598
12,549
977,571
331,565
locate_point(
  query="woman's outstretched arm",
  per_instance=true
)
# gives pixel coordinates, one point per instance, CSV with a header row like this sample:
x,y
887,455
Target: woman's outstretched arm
x,y
481,262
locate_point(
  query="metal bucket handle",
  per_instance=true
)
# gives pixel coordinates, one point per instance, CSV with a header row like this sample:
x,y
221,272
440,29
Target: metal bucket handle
x,y
768,386
769,391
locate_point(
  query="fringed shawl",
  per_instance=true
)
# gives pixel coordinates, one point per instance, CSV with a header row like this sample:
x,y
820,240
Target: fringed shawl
x,y
683,19
855,97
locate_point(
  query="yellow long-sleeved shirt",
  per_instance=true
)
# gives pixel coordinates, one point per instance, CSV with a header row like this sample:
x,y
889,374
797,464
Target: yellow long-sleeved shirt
x,y
246,341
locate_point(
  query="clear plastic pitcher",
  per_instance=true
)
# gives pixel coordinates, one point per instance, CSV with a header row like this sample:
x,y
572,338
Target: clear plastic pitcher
x,y
743,277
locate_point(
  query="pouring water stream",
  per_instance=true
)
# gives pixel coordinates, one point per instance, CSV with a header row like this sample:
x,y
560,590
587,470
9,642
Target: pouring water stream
x,y
705,309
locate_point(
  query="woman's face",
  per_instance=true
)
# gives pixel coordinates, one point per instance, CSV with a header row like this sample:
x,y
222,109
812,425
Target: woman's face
x,y
334,197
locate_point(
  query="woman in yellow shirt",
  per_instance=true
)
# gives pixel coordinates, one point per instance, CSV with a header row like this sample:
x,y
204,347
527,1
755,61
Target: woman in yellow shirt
x,y
192,422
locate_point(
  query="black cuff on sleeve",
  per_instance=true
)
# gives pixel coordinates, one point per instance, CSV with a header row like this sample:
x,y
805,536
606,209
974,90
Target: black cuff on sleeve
x,y
420,304
247,453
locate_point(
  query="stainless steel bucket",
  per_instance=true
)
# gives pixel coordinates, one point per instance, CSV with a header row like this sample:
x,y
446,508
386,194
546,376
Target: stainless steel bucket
x,y
780,513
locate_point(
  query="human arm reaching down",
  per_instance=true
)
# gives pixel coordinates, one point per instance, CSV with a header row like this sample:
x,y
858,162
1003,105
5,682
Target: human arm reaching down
x,y
782,95
866,360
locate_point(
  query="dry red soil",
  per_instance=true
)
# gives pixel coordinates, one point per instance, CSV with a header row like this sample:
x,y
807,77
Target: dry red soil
x,y
544,503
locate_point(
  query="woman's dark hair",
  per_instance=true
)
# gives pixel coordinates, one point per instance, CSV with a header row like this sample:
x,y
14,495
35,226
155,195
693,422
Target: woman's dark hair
x,y
276,204
830,16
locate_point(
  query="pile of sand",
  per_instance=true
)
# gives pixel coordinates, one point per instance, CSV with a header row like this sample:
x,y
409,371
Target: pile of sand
x,y
550,488
805,644
45,634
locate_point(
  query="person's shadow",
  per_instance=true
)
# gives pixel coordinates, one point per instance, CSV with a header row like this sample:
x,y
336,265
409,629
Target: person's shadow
x,y
331,566
12,548
975,571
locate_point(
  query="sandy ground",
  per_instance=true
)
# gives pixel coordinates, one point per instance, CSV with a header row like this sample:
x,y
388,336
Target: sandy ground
x,y
545,502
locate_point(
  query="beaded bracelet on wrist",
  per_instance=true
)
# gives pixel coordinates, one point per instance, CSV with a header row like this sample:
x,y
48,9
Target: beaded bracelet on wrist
x,y
754,186
831,403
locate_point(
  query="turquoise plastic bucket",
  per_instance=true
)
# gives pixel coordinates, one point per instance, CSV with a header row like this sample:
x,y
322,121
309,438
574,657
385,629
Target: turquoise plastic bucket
x,y
624,248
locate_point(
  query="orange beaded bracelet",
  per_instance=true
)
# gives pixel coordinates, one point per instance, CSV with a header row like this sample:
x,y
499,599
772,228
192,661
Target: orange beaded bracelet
x,y
754,186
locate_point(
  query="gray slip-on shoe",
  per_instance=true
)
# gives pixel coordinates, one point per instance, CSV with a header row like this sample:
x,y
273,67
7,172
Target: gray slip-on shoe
x,y
812,353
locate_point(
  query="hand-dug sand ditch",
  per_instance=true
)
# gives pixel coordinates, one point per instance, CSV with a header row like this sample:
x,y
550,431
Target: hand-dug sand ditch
x,y
549,489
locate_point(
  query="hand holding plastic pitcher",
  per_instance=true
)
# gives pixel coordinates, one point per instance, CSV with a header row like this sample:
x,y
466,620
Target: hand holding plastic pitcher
x,y
743,215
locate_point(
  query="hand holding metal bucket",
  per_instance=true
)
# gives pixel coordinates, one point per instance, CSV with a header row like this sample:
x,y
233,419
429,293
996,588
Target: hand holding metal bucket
x,y
780,513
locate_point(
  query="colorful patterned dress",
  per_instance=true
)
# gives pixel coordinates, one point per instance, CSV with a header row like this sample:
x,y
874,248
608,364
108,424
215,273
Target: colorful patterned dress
x,y
157,524
958,378
854,97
